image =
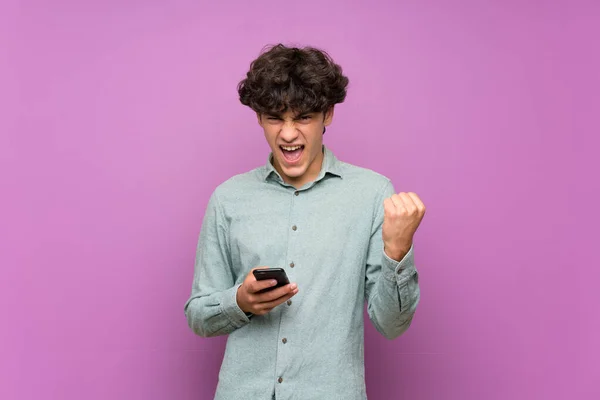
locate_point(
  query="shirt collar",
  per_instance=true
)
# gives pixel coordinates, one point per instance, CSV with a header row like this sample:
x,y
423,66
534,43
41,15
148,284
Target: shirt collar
x,y
331,165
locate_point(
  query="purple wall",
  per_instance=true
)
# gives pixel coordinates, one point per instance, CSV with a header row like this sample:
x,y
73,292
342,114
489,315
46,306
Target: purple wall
x,y
118,119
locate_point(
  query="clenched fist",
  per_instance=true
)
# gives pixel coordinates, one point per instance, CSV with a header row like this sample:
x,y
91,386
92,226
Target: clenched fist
x,y
403,213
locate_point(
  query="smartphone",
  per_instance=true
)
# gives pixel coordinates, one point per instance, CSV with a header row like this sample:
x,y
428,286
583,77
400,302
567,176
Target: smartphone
x,y
271,273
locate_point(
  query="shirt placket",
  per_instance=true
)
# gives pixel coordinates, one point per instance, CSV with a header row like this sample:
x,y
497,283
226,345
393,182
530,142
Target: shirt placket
x,y
285,337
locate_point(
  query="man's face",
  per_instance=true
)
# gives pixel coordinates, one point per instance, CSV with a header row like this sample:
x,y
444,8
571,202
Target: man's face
x,y
296,142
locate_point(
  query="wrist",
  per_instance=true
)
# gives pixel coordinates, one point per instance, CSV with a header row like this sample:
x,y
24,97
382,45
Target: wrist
x,y
240,303
396,253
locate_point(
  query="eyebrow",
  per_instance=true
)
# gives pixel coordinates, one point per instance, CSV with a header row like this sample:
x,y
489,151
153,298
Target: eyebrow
x,y
304,114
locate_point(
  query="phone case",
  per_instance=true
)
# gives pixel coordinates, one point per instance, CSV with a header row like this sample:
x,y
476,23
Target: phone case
x,y
271,273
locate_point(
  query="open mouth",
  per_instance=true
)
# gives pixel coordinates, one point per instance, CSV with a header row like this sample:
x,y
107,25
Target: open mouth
x,y
292,154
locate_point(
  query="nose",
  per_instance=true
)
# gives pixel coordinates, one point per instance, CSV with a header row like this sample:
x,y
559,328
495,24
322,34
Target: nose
x,y
288,132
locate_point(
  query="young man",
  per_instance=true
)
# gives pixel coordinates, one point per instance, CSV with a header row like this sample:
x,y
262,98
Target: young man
x,y
340,232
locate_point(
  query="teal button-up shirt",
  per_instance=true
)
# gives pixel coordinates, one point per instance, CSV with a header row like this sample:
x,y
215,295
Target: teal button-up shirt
x,y
327,237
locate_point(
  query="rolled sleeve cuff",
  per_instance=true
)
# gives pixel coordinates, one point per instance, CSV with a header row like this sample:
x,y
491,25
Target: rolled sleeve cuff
x,y
399,271
231,309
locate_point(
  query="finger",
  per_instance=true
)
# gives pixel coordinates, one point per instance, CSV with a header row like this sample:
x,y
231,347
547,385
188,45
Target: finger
x,y
276,302
409,204
398,203
275,294
253,285
388,206
256,286
415,198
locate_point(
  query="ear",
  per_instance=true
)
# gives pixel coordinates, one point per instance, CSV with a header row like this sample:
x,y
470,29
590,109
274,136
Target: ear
x,y
259,117
328,116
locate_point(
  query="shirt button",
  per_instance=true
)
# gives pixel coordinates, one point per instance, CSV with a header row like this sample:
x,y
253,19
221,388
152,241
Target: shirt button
x,y
280,380
289,302
284,340
296,193
294,228
292,265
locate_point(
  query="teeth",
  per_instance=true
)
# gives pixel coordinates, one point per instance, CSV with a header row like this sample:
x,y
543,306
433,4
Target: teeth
x,y
290,148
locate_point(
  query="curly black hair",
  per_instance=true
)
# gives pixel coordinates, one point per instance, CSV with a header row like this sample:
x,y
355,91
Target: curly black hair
x,y
299,79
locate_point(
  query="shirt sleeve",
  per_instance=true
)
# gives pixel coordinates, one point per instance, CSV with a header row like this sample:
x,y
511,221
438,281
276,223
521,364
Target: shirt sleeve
x,y
212,308
391,287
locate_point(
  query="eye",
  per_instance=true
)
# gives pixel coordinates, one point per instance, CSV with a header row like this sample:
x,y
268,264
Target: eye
x,y
305,118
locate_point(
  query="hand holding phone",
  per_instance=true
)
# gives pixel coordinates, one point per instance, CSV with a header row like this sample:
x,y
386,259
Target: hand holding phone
x,y
262,274
264,290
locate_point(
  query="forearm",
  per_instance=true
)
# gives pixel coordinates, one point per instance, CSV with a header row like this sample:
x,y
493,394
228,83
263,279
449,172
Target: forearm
x,y
394,296
215,314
